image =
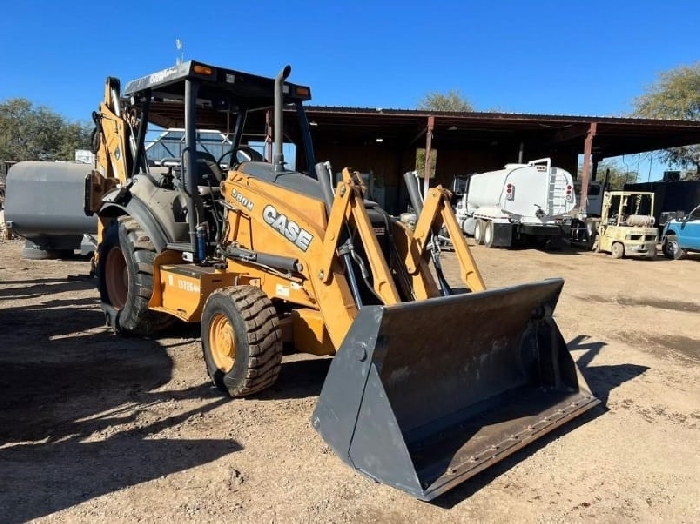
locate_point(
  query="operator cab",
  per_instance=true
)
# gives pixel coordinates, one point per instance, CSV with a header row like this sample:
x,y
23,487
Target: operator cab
x,y
625,205
194,96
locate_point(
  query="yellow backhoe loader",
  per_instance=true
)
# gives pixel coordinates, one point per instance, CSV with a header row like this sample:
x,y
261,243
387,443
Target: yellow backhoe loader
x,y
428,385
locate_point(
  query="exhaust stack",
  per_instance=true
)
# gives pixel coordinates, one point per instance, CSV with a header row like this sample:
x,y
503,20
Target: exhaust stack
x,y
278,162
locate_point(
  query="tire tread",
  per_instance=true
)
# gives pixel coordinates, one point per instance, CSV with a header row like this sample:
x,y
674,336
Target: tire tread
x,y
140,320
263,335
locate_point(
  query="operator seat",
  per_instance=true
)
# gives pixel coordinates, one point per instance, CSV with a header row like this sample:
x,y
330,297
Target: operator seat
x,y
207,168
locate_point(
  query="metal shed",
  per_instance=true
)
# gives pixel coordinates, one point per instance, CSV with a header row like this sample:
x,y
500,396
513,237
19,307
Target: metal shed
x,y
386,140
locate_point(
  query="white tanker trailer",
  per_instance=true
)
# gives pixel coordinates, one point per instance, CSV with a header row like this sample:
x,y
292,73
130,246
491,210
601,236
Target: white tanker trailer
x,y
520,201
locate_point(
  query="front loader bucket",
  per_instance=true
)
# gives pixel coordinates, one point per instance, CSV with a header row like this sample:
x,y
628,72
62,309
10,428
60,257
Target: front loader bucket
x,y
424,395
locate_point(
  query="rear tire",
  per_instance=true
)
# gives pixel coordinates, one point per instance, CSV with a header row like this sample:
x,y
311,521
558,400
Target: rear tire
x,y
672,249
125,277
241,340
488,233
617,250
479,232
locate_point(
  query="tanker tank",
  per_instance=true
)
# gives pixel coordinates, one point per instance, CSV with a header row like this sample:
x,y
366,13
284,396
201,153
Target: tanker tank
x,y
44,204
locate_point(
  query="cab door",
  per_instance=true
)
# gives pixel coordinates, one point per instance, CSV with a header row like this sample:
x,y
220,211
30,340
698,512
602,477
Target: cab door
x,y
689,235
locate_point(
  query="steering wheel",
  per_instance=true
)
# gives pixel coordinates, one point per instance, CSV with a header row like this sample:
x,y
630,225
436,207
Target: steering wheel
x,y
242,154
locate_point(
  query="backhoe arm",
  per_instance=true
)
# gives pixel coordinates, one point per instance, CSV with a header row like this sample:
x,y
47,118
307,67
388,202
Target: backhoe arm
x,y
113,147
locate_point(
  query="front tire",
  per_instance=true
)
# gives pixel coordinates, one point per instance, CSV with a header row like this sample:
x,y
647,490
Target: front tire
x,y
617,250
125,277
241,340
672,249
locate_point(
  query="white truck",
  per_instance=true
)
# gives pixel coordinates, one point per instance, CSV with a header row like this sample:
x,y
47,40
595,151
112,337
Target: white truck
x,y
519,202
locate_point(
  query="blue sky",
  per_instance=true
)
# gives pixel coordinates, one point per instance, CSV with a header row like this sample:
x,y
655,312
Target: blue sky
x,y
585,57
588,57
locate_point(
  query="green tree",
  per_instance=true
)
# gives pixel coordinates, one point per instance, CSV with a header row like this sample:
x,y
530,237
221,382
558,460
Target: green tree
x,y
420,161
76,135
452,100
618,175
675,95
38,133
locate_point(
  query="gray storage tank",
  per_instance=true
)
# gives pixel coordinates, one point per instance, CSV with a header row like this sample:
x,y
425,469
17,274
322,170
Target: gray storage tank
x,y
44,203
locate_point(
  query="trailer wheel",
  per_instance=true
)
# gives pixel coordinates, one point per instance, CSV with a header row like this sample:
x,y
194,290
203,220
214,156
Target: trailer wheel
x,y
479,232
617,250
672,249
125,277
488,233
241,340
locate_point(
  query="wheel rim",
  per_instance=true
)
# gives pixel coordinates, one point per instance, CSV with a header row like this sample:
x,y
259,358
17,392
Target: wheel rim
x,y
116,278
488,233
477,231
672,247
222,342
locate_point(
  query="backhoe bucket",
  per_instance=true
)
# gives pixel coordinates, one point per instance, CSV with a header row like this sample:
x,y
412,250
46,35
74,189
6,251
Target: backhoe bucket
x,y
424,395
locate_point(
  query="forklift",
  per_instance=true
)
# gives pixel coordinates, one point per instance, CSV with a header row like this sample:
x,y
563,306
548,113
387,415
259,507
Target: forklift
x,y
626,225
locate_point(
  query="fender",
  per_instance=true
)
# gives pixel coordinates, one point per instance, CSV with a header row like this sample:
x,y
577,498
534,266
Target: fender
x,y
667,231
137,209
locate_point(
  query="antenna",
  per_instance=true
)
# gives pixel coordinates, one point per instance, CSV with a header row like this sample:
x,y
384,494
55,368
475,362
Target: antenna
x,y
178,46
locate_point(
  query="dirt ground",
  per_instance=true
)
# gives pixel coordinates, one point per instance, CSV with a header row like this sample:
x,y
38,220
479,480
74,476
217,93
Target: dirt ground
x,y
95,427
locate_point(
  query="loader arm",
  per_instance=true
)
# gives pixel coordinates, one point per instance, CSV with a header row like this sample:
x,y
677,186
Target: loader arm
x,y
437,212
348,208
